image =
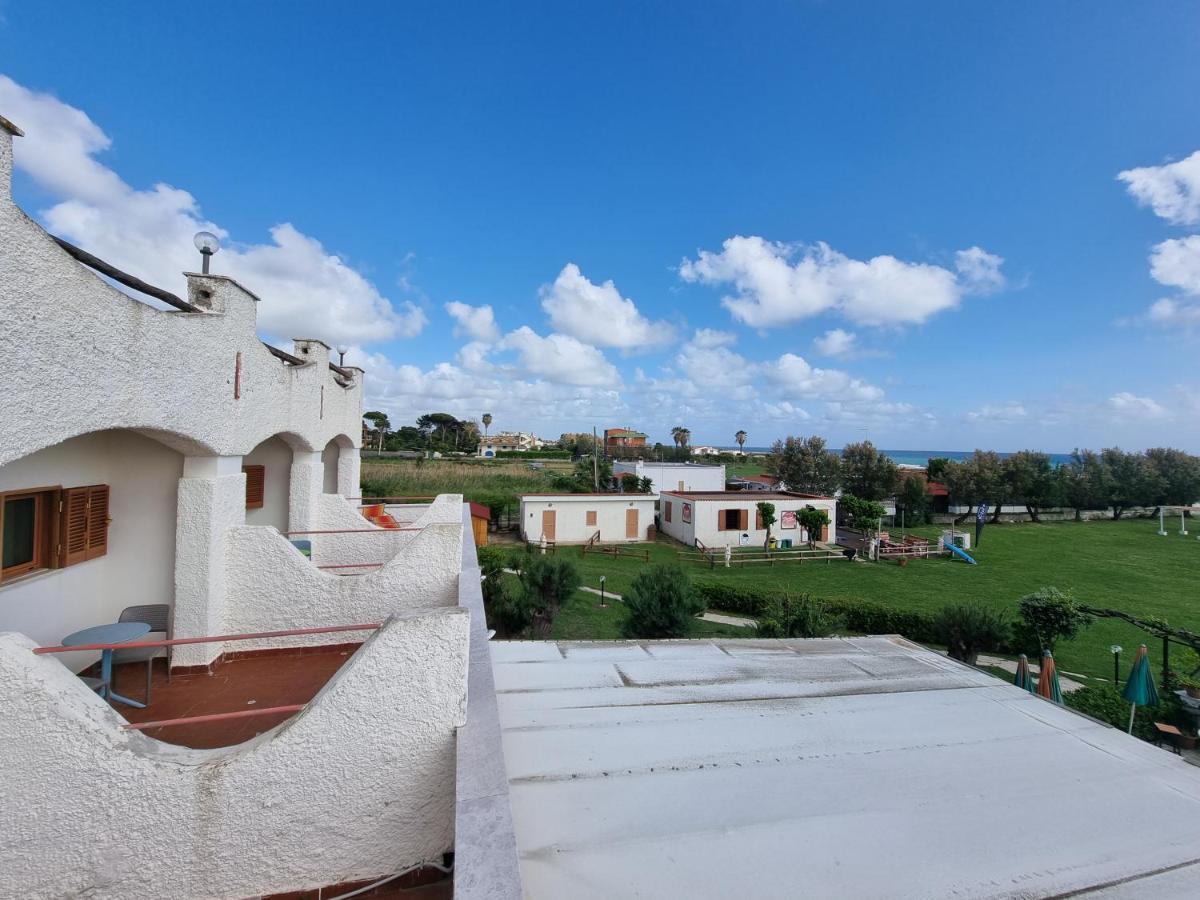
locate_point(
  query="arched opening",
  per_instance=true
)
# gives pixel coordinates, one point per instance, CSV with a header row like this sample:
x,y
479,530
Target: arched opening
x,y
268,469
338,454
90,530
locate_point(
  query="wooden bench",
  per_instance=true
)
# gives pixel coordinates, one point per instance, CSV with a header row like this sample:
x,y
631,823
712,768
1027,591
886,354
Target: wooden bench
x,y
1168,734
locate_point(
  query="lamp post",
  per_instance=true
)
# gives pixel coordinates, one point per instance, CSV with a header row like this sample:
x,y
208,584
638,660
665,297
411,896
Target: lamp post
x,y
341,349
206,242
603,605
1116,652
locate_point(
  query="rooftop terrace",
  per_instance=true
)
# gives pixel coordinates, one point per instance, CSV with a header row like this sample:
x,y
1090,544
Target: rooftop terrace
x,y
858,767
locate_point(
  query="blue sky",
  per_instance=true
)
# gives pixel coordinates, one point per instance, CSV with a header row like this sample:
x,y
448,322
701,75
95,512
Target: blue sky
x,y
841,219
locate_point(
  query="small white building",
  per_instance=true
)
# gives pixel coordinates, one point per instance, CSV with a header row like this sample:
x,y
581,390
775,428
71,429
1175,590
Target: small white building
x,y
721,518
673,476
576,518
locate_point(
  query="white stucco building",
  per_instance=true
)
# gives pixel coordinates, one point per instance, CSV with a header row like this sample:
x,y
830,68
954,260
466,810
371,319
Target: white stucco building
x,y
721,518
157,452
577,518
673,476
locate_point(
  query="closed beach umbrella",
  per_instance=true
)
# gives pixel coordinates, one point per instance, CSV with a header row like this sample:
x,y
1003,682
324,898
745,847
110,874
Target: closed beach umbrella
x,y
1023,679
1047,684
1140,689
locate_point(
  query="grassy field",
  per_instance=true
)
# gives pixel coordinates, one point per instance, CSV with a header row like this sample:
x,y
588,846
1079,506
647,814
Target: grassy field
x,y
1122,565
753,466
474,480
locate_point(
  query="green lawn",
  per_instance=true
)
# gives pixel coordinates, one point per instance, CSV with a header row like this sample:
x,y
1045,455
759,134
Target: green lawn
x,y
1122,565
583,619
749,467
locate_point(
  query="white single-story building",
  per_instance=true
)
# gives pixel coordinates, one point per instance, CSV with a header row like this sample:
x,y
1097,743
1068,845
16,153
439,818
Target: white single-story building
x,y
576,518
673,476
720,518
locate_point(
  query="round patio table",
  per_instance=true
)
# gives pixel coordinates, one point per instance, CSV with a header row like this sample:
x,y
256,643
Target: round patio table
x,y
115,633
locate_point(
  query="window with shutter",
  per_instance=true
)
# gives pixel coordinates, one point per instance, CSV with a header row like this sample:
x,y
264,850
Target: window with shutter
x,y
27,526
256,480
758,520
666,510
743,519
97,521
83,530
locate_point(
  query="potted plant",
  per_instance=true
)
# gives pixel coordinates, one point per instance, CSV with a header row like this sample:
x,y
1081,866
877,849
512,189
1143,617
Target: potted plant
x,y
1191,684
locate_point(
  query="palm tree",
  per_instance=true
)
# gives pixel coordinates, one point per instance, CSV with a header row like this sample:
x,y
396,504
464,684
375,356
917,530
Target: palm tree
x,y
740,437
685,435
677,435
487,420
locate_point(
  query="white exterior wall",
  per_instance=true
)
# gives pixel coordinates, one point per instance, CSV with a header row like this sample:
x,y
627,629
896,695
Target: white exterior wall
x,y
358,785
275,456
667,476
704,524
139,567
571,516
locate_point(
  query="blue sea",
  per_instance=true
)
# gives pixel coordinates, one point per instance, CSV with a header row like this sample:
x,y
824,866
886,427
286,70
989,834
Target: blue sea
x,y
921,457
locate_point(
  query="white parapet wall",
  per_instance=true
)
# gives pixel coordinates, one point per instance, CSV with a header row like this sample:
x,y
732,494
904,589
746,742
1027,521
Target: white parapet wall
x,y
358,785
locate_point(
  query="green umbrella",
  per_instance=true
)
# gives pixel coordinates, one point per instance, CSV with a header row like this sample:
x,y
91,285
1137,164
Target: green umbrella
x,y
1140,689
1023,679
1047,683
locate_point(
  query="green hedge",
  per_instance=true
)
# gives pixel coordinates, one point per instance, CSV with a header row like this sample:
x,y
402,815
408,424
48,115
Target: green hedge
x,y
859,616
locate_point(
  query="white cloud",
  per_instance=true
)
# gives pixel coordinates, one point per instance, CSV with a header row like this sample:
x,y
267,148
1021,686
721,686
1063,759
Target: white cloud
x,y
836,342
1171,190
1127,404
306,291
1009,412
560,358
772,289
1170,312
1176,263
475,322
598,314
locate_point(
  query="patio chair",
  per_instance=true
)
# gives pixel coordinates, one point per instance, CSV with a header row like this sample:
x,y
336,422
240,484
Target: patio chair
x,y
156,615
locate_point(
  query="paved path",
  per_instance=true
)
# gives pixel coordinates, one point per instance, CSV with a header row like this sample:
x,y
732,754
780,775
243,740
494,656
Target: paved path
x,y
1008,665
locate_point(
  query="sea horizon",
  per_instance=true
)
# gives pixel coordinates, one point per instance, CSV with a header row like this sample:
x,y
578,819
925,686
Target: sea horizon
x,y
918,457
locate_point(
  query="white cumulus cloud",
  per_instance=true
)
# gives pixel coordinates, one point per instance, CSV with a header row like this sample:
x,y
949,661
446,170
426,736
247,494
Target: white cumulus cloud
x,y
1012,411
780,283
306,290
475,322
598,314
1171,190
560,358
836,342
1128,404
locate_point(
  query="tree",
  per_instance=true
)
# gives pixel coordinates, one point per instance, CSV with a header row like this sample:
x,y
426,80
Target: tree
x,y
960,482
1174,477
970,628
1029,477
804,465
380,425
766,513
629,483
861,515
661,604
812,520
547,582
867,472
1084,482
577,443
913,499
487,423
646,485
740,437
1128,479
590,469
799,617
1047,616
508,610
935,468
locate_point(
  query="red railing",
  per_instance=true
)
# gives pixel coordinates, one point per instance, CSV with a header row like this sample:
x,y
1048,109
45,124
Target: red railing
x,y
352,531
209,639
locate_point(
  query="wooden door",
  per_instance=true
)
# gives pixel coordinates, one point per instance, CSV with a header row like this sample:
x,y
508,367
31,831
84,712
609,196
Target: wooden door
x,y
631,523
548,521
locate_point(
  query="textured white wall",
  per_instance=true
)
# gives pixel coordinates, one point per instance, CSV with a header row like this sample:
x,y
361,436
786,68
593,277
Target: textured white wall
x,y
275,456
340,792
140,564
571,517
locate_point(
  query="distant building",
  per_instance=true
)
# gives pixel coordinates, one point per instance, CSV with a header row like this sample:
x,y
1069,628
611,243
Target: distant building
x,y
576,518
623,438
508,441
720,518
673,476
757,483
707,451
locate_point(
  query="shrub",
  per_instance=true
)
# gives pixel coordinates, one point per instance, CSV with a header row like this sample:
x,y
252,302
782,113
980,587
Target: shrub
x,y
872,618
730,597
661,604
509,609
1047,616
546,582
803,616
1104,702
969,628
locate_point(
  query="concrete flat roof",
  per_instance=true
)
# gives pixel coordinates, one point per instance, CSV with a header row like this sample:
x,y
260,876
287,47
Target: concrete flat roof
x,y
855,767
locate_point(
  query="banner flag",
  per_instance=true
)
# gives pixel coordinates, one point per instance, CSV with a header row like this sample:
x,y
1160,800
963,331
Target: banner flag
x,y
980,521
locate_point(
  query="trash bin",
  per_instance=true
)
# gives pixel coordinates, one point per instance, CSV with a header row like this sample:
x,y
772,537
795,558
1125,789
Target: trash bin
x,y
772,543
786,543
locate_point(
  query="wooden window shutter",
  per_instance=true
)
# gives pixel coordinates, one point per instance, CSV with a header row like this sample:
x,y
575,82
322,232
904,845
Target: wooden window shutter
x,y
758,520
256,480
743,519
666,510
591,517
97,521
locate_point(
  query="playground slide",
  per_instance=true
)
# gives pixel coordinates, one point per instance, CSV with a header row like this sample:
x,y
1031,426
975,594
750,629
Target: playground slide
x,y
959,551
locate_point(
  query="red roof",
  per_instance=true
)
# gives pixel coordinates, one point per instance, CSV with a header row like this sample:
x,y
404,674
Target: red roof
x,y
936,489
760,479
479,511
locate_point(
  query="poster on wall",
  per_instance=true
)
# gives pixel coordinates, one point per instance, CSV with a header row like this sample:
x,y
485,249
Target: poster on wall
x,y
788,519
687,513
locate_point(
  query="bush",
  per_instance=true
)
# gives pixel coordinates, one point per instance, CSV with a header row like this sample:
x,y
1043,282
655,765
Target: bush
x,y
969,628
546,582
509,609
803,617
1047,616
661,604
872,618
1104,702
731,598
